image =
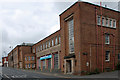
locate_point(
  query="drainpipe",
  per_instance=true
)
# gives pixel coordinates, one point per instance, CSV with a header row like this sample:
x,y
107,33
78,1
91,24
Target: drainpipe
x,y
101,33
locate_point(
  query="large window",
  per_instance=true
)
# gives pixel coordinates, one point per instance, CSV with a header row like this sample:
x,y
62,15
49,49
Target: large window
x,y
52,42
29,58
33,66
56,61
46,44
107,39
71,35
110,23
59,39
103,20
32,57
28,65
98,20
107,22
25,58
43,46
114,24
56,40
107,56
49,43
33,50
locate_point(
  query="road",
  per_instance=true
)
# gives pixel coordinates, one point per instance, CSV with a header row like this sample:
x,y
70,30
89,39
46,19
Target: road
x,y
17,73
11,73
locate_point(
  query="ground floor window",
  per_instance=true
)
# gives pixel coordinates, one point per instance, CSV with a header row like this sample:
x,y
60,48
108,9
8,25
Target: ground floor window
x,y
43,64
107,56
28,65
56,61
32,65
49,63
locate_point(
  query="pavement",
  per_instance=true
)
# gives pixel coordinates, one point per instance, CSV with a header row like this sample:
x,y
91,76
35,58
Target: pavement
x,y
11,73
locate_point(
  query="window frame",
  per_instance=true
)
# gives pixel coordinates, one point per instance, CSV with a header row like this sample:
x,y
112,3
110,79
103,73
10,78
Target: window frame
x,y
107,38
108,56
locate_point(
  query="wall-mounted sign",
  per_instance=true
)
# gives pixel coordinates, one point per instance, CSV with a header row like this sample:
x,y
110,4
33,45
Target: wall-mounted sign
x,y
46,57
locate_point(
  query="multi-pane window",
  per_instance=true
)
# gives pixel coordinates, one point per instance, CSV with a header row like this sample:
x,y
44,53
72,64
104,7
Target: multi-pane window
x,y
119,56
52,42
32,65
107,22
107,39
110,23
56,61
29,58
33,50
28,65
49,43
32,57
98,20
59,39
43,46
56,41
103,21
46,45
107,56
25,58
71,35
114,24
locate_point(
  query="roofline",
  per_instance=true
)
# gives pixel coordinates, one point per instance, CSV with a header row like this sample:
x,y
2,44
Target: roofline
x,y
47,37
18,46
88,3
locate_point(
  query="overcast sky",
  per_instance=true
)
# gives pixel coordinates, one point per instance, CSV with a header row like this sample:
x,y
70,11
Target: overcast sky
x,y
30,21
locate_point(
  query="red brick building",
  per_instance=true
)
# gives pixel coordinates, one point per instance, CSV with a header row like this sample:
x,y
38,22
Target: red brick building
x,y
30,61
16,56
5,61
89,38
48,53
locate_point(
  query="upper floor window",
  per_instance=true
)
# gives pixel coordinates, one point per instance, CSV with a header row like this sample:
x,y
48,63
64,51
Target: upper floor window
x,y
52,42
59,39
46,45
114,24
107,22
71,35
56,41
43,46
33,50
110,23
107,39
49,43
98,20
107,56
29,58
25,58
103,20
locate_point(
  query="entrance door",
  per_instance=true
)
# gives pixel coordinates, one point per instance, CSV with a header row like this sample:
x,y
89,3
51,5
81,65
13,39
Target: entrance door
x,y
49,64
68,66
